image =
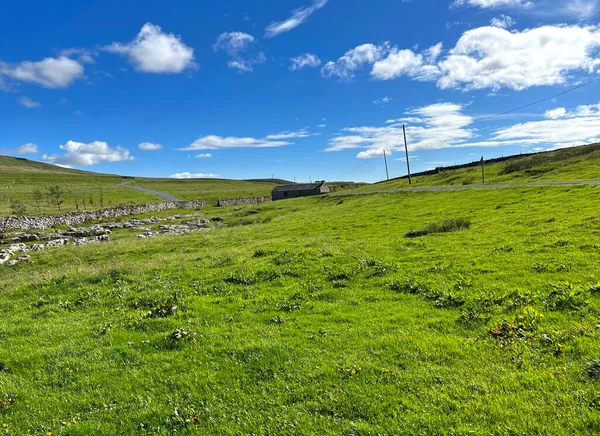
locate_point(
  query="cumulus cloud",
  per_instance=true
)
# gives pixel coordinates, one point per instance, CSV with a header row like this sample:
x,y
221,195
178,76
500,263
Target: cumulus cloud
x,y
306,60
485,57
28,148
233,42
554,114
247,65
58,72
149,146
444,125
81,154
502,21
433,127
29,103
188,175
204,156
298,17
83,55
153,51
213,142
398,63
353,60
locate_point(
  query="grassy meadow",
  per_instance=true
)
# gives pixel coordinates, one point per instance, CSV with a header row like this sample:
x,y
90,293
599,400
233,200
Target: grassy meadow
x,y
408,313
210,190
82,190
20,178
567,164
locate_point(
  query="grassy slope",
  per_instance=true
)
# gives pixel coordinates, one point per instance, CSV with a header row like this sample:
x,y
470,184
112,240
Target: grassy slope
x,y
19,177
305,325
579,163
210,190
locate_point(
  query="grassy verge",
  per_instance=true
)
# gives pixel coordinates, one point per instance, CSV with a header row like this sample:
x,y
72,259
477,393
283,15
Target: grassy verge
x,y
317,316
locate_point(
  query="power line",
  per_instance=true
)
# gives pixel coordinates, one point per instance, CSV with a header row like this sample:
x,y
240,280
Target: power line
x,y
538,101
489,117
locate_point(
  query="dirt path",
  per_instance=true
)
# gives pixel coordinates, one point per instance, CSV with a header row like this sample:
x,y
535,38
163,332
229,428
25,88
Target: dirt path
x,y
162,195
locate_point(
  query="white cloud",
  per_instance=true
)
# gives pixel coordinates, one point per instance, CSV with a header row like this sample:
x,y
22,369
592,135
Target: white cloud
x,y
188,175
580,8
153,51
485,57
434,127
489,57
29,103
502,21
233,42
78,153
247,65
28,148
353,60
50,72
396,64
302,133
444,125
322,126
382,101
492,4
204,156
555,114
373,152
306,60
84,56
213,142
149,146
298,17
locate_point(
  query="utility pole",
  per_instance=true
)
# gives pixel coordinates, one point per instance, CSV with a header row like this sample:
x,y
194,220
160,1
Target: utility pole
x,y
407,160
387,173
482,171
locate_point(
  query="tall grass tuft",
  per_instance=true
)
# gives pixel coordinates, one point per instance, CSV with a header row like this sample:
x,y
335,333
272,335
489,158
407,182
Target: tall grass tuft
x,y
446,226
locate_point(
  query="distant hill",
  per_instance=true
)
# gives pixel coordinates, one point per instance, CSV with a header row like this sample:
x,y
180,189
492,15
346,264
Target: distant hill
x,y
22,165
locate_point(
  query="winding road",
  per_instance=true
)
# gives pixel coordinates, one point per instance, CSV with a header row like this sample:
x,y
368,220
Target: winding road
x,y
162,195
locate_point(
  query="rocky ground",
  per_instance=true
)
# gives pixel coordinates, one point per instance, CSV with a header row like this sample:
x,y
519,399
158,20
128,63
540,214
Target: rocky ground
x,y
16,246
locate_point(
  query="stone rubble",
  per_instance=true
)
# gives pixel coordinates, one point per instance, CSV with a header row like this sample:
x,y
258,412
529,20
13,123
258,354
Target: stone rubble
x,y
95,233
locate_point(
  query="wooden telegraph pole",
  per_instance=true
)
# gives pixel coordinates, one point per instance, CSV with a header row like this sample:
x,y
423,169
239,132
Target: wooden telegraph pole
x,y
482,171
406,148
387,173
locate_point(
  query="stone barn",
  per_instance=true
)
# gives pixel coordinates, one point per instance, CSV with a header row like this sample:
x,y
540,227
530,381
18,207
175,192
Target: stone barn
x,y
300,190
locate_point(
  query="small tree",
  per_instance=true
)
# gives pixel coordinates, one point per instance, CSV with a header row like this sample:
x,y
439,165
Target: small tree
x,y
55,195
38,198
101,198
91,200
76,195
18,208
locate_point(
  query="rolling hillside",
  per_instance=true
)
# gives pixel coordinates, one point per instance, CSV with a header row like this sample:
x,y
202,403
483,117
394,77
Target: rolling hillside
x,y
576,163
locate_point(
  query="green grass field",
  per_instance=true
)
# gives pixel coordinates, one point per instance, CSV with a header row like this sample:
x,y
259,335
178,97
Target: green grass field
x,y
20,178
210,190
578,163
318,316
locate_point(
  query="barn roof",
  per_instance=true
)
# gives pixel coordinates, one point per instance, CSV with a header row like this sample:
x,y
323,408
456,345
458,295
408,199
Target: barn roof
x,y
298,187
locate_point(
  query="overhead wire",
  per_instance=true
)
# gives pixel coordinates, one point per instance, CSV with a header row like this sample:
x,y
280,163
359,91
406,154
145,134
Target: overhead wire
x,y
489,117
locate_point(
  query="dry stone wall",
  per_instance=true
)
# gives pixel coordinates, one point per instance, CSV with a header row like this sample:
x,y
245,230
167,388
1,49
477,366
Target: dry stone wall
x,y
247,200
78,218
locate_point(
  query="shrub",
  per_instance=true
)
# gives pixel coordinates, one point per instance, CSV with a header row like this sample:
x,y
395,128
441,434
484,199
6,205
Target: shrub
x,y
446,226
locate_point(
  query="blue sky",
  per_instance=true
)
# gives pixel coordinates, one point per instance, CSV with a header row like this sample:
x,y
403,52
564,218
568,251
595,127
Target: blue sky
x,y
305,89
